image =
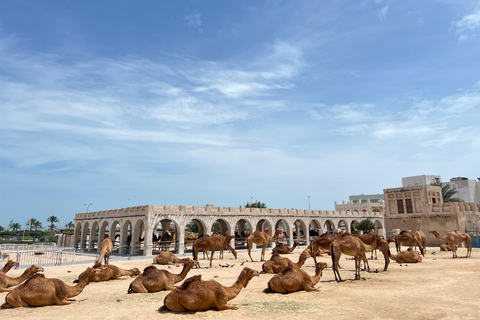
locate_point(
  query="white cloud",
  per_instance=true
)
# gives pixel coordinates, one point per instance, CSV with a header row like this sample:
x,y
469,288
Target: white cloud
x,y
383,12
467,24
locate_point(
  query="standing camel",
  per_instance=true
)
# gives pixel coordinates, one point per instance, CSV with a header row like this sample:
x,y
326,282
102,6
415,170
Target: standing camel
x,y
367,238
349,245
454,238
198,295
406,237
6,282
421,238
261,238
323,242
106,248
40,291
212,243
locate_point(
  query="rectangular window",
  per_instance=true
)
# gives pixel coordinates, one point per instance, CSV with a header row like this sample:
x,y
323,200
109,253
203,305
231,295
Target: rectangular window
x,y
408,204
400,206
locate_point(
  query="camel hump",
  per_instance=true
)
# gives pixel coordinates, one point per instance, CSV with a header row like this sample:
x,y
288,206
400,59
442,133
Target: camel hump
x,y
288,268
403,232
149,269
35,276
187,283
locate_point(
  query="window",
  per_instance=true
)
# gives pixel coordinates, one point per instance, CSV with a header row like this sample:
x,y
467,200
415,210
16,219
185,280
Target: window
x,y
400,206
408,204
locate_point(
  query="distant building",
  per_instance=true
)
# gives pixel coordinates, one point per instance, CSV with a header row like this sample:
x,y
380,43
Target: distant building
x,y
468,190
423,180
364,198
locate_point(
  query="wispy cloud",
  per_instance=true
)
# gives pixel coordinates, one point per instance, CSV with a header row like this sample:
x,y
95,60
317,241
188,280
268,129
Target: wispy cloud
x,y
194,20
466,26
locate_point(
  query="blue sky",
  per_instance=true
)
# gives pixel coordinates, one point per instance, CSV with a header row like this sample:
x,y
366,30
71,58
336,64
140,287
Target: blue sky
x,y
126,103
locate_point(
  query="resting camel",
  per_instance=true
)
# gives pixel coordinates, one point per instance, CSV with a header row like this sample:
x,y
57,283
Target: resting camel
x,y
166,257
455,238
109,272
421,238
349,245
9,265
277,263
154,280
406,237
261,238
323,241
409,256
6,282
197,295
212,243
284,249
40,291
293,279
446,247
106,248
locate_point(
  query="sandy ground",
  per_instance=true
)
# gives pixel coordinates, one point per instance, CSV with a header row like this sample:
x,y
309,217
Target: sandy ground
x,y
438,288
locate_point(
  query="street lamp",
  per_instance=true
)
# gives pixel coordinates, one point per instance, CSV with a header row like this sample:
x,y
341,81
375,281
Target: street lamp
x,y
309,203
88,205
251,200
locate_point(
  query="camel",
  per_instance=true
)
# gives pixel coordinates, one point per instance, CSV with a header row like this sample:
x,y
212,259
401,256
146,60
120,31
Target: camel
x,y
6,282
197,295
154,280
9,265
106,248
455,238
421,238
367,238
166,257
109,272
261,238
373,246
293,279
284,249
349,245
166,240
212,243
277,263
190,239
40,291
406,237
383,245
323,241
446,247
409,256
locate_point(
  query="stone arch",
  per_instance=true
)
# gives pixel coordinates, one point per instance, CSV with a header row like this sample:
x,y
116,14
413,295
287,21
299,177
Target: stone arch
x,y
137,238
104,229
92,243
342,225
263,225
170,228
243,228
77,235
125,232
285,237
329,227
352,229
85,235
222,226
355,212
114,233
379,228
314,229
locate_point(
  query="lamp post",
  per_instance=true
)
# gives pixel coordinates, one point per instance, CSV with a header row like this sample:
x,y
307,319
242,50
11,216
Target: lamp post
x,y
251,200
308,203
88,205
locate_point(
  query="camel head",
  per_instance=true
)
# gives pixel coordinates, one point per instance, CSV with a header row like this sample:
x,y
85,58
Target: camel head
x,y
248,274
306,254
191,263
88,274
320,266
13,264
278,232
34,269
228,238
135,272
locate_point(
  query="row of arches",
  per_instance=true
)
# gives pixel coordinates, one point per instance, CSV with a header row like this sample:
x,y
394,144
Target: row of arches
x,y
133,236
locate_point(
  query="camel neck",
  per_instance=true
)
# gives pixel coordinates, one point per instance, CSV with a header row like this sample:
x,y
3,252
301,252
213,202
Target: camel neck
x,y
74,291
235,289
183,274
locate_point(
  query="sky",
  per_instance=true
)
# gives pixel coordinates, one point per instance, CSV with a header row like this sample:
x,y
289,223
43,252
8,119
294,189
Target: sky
x,y
292,103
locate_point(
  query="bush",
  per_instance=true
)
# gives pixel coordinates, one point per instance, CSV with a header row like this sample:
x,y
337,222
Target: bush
x,y
8,233
364,225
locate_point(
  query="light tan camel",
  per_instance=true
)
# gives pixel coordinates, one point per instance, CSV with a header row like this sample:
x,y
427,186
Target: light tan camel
x,y
409,256
277,263
293,279
374,245
383,245
6,282
284,249
166,257
455,238
408,238
367,238
154,280
323,241
109,272
197,295
106,248
40,291
421,238
347,244
9,265
212,243
446,247
263,239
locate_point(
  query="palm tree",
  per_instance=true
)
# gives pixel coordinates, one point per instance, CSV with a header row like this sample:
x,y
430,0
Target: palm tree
x,y
31,223
52,220
256,204
447,192
15,226
70,225
36,224
2,228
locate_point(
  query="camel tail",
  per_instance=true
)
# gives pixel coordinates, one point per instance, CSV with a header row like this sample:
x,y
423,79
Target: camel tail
x,y
130,290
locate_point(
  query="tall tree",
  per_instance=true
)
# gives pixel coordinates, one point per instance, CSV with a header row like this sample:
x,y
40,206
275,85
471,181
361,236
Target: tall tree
x,y
15,226
256,204
448,192
30,224
2,229
70,225
52,220
37,224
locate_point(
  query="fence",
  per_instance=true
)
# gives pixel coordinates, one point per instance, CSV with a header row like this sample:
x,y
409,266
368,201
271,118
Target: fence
x,y
476,241
45,256
26,246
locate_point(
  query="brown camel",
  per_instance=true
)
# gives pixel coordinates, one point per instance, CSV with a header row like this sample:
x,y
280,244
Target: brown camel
x,y
197,295
293,279
106,248
409,256
154,280
9,265
166,257
212,243
6,282
323,241
455,238
446,247
383,245
406,237
109,272
421,238
368,238
40,291
277,263
349,245
284,249
190,239
261,238
373,246
166,240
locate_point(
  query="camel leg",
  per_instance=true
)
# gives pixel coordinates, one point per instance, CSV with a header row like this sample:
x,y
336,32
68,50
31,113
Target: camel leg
x,y
211,257
250,249
310,288
263,253
366,266
358,263
13,300
222,299
314,252
6,289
